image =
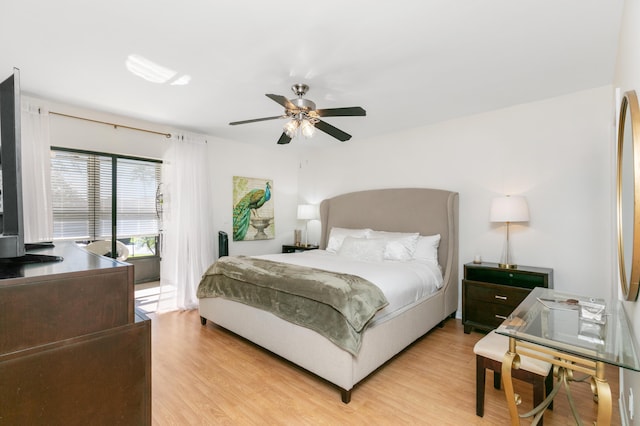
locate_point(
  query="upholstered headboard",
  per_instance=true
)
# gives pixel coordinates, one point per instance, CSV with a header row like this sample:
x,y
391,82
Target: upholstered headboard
x,y
424,210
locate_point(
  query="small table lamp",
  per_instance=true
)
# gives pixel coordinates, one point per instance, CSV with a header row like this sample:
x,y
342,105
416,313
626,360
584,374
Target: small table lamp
x,y
307,212
508,209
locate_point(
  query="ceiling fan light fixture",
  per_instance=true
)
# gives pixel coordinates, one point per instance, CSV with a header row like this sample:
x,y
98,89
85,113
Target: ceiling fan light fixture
x,y
290,128
304,116
307,129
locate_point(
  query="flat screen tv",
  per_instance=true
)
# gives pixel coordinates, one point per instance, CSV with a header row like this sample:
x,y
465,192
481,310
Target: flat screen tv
x,y
11,219
12,246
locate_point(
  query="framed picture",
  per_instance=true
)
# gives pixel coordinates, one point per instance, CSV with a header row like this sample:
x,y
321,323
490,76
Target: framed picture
x,y
253,209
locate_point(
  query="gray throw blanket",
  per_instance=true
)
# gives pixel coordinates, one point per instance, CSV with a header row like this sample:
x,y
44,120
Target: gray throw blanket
x,y
336,305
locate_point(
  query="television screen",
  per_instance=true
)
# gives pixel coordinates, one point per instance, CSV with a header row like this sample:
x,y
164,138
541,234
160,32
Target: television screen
x,y
11,222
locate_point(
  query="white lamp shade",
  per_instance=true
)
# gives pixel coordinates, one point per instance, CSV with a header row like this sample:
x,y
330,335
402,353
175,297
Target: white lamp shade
x,y
509,209
308,212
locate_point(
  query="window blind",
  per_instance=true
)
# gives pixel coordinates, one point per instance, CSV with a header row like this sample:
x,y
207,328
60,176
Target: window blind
x,y
136,189
82,193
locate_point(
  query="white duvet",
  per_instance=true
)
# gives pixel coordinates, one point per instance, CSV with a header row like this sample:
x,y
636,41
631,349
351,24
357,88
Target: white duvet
x,y
403,283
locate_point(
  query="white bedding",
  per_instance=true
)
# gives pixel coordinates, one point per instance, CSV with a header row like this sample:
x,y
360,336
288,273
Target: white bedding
x,y
403,283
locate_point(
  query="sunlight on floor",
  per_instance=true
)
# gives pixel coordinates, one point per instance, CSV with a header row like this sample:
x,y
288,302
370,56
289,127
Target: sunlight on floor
x,y
151,297
146,296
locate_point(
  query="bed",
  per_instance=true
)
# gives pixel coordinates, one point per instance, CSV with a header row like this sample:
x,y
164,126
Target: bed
x,y
426,211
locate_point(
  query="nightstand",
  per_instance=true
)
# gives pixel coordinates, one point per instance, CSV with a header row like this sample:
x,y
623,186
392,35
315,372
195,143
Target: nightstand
x,y
293,248
491,293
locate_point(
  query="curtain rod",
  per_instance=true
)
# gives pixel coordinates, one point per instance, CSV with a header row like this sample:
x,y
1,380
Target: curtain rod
x,y
167,135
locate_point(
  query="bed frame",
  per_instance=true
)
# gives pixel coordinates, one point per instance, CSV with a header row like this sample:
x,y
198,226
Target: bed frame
x,y
428,211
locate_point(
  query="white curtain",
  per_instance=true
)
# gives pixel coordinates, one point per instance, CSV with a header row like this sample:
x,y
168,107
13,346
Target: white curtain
x,y
36,174
188,238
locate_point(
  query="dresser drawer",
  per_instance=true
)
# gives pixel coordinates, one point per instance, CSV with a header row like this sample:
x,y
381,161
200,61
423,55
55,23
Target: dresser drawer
x,y
507,277
482,293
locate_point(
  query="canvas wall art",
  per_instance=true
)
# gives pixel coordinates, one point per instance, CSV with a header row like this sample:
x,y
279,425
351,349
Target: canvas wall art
x,y
253,217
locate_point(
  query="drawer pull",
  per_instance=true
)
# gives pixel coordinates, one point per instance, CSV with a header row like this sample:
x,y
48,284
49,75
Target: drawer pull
x,y
502,317
500,297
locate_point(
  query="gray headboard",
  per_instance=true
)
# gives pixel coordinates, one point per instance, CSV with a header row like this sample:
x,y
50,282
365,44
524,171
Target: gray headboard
x,y
424,210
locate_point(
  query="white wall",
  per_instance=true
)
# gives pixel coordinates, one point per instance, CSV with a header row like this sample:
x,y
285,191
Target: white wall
x,y
230,159
555,152
78,134
628,78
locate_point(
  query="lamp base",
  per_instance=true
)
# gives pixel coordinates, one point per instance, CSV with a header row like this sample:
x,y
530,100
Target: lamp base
x,y
507,266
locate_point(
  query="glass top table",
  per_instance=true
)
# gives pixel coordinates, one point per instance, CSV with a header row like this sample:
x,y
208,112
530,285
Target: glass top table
x,y
573,333
551,318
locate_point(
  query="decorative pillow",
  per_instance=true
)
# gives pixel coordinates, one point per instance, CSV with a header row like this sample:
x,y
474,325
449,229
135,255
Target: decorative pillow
x,y
427,248
337,235
367,249
399,245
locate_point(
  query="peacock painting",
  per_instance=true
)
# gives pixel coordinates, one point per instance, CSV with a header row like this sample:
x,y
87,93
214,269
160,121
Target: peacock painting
x,y
252,209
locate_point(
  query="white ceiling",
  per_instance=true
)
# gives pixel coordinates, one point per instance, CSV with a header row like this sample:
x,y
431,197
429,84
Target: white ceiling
x,y
407,62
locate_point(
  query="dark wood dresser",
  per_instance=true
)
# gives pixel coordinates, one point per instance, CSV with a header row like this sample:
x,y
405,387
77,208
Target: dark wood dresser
x,y
73,350
491,293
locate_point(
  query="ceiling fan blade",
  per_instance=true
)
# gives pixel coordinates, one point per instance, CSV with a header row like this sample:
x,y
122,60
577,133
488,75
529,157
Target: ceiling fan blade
x,y
333,131
233,123
282,101
284,139
341,112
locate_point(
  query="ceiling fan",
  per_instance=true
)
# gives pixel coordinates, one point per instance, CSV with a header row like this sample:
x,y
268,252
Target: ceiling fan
x,y
306,117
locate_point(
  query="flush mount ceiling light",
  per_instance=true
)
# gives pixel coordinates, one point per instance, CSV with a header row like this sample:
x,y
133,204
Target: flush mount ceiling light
x,y
153,72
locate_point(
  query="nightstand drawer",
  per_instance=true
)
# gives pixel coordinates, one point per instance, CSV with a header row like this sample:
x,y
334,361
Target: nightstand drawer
x,y
482,293
507,277
490,314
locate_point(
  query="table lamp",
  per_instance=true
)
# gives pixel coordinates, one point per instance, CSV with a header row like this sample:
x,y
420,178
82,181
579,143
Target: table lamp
x,y
307,212
508,209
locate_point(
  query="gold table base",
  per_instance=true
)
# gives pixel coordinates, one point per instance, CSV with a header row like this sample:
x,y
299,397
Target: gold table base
x,y
564,367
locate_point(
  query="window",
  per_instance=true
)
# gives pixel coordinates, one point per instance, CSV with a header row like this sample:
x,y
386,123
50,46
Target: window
x,y
83,205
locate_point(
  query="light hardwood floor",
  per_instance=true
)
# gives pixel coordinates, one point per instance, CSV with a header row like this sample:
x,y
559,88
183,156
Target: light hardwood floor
x,y
208,376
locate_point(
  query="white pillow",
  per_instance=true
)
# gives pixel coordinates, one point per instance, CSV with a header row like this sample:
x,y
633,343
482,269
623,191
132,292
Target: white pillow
x,y
337,235
367,249
387,234
399,245
427,248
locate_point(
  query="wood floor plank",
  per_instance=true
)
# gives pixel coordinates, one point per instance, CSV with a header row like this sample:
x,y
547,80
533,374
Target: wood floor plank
x,y
204,375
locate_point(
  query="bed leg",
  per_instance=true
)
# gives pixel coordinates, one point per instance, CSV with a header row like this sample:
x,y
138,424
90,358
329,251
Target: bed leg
x,y
203,321
346,395
452,316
